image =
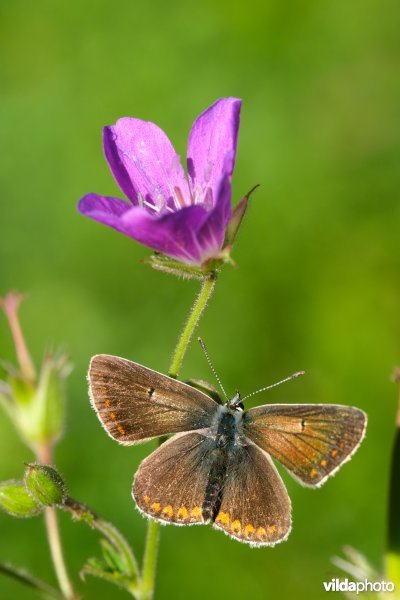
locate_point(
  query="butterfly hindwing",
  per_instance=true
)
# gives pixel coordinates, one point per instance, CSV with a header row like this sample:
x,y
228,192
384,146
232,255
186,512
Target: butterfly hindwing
x,y
255,506
135,403
311,440
171,483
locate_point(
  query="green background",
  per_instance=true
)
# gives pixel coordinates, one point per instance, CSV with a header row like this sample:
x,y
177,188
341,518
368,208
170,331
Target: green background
x,y
317,283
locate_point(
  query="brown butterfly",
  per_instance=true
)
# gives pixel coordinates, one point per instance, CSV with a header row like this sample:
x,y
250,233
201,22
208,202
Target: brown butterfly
x,y
217,467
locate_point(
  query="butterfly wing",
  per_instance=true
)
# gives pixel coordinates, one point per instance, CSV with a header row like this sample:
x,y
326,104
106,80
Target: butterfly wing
x,y
311,440
255,506
135,404
171,483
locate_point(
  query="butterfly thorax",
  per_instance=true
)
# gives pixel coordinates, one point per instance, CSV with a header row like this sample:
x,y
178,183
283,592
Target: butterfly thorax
x,y
227,426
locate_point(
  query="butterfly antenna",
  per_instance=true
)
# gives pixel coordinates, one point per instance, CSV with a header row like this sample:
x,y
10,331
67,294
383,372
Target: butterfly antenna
x,y
274,384
203,347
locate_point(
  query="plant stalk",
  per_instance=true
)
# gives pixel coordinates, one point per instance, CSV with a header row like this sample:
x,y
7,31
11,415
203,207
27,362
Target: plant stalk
x,y
153,528
45,456
206,290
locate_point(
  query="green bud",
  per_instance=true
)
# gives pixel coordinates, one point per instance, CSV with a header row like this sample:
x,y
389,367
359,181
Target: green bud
x,y
39,407
16,501
45,485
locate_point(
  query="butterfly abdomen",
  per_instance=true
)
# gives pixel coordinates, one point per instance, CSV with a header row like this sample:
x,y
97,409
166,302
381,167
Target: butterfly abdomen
x,y
224,441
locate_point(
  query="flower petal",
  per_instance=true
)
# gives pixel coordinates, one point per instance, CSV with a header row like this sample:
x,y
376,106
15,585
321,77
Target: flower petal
x,y
143,161
211,235
173,234
212,145
104,210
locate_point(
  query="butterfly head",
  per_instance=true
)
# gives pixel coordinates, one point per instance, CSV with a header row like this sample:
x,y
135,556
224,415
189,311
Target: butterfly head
x,y
235,403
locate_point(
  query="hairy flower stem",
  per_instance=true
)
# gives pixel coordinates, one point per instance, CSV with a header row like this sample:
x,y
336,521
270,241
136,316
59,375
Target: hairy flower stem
x,y
207,288
45,456
153,528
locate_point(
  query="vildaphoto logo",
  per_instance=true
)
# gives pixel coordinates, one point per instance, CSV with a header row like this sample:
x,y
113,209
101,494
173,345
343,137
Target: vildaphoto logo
x,y
344,585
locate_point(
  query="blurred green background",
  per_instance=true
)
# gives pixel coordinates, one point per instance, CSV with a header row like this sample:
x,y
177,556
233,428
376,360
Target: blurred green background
x,y
317,287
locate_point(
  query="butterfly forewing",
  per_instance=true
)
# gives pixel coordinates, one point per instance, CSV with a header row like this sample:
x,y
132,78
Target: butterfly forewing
x,y
135,404
255,506
171,483
311,441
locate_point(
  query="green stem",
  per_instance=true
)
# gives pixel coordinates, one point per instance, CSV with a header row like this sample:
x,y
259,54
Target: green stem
x,y
207,288
45,590
153,528
44,456
150,560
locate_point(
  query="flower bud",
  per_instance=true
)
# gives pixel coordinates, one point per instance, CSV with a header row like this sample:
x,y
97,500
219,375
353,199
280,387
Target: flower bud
x,y
39,408
16,501
34,402
45,484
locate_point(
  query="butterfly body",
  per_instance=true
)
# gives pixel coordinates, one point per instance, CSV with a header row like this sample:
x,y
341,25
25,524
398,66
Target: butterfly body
x,y
217,467
227,438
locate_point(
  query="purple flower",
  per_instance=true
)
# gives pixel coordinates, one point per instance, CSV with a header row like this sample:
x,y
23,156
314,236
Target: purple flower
x,y
185,219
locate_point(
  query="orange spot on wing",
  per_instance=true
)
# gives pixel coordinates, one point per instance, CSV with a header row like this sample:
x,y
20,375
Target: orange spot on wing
x,y
196,512
323,463
249,529
261,533
333,453
272,529
313,473
146,499
156,506
107,403
236,526
182,513
112,415
168,510
121,429
222,517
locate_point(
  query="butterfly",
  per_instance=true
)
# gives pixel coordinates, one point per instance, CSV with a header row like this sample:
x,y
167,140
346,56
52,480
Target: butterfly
x,y
217,466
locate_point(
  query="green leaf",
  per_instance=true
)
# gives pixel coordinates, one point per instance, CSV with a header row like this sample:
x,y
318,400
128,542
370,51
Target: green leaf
x,y
112,557
97,568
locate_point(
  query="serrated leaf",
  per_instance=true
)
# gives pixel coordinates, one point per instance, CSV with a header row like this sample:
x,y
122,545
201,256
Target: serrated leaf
x,y
100,570
112,557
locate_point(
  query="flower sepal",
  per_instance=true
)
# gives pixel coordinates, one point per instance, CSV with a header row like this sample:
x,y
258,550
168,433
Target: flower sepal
x,y
161,262
237,218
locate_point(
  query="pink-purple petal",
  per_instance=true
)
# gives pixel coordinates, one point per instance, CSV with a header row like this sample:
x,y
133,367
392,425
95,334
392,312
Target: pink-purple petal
x,y
212,233
104,209
174,234
143,161
212,145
